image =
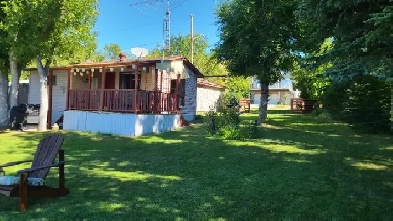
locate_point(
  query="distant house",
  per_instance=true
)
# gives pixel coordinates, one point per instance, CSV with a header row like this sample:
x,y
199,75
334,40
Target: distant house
x,y
280,92
208,94
124,97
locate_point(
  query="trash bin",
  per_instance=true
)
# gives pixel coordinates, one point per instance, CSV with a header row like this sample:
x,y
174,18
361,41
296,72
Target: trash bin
x,y
18,115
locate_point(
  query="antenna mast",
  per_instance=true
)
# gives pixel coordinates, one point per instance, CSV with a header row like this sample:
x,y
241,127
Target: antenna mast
x,y
167,29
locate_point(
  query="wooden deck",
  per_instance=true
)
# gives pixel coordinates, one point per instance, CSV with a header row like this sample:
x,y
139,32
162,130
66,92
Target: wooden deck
x,y
122,100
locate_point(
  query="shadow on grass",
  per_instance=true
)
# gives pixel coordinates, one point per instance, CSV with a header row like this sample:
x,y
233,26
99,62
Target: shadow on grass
x,y
295,171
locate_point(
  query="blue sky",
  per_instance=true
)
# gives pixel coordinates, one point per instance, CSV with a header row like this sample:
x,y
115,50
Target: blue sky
x,y
141,26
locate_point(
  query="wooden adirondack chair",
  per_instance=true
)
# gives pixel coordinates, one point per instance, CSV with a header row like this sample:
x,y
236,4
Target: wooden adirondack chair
x,y
44,158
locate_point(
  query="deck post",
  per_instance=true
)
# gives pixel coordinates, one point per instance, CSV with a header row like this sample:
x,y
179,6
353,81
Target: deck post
x,y
161,95
50,99
136,103
177,93
68,89
155,99
102,88
89,92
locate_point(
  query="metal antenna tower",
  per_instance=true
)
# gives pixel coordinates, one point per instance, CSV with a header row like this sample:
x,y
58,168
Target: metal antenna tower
x,y
166,30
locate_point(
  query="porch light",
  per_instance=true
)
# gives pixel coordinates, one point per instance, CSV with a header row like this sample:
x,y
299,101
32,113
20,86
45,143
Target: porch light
x,y
92,70
133,66
111,69
100,69
121,69
144,68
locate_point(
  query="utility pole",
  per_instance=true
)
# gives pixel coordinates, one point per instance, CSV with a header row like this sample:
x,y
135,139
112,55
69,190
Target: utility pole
x,y
192,38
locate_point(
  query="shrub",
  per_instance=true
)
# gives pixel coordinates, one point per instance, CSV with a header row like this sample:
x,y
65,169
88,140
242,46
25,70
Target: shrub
x,y
226,123
363,102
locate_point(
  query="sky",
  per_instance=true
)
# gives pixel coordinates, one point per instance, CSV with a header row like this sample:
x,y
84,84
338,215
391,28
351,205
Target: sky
x,y
141,25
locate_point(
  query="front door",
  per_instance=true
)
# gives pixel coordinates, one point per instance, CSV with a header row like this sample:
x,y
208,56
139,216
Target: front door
x,y
110,79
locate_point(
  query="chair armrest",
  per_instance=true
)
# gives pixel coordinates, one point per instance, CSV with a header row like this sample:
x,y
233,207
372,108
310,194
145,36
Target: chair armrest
x,y
33,169
14,163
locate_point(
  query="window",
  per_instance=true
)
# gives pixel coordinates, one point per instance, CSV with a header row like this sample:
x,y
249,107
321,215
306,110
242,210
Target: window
x,y
127,81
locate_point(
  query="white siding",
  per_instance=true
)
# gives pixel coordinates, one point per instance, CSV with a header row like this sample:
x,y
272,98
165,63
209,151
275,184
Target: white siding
x,y
34,88
59,91
207,97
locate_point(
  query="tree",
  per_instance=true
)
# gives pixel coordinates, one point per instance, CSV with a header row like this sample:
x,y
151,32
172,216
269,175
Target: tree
x,y
4,67
112,51
62,28
361,33
257,39
308,78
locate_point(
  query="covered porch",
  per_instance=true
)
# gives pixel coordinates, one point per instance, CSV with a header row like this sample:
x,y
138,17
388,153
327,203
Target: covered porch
x,y
138,87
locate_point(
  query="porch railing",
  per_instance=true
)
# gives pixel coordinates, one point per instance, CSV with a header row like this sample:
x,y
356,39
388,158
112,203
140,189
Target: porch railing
x,y
122,100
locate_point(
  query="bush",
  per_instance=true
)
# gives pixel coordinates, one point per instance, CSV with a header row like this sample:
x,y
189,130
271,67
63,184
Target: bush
x,y
364,103
226,123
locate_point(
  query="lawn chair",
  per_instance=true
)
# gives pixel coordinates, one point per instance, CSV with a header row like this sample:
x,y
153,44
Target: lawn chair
x,y
44,158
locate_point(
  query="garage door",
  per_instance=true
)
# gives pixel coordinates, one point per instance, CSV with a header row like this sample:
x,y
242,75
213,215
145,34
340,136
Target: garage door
x,y
273,99
257,99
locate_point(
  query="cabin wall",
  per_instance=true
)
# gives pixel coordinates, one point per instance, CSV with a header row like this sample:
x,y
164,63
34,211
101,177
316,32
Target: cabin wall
x,y
59,92
189,109
207,97
129,125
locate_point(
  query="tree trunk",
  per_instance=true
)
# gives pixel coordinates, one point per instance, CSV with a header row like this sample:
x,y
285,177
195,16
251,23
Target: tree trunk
x,y
43,72
263,103
15,76
4,116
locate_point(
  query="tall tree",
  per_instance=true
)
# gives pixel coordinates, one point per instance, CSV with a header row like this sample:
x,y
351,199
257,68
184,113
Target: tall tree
x,y
61,28
112,51
361,32
4,69
257,39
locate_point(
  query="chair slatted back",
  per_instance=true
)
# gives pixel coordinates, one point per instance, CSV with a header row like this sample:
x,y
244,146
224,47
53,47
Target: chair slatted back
x,y
46,153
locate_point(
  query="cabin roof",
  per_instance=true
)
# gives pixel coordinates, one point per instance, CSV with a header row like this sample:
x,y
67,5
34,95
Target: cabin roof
x,y
118,63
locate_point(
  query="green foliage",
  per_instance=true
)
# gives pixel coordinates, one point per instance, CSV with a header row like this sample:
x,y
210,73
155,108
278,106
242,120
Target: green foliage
x,y
364,103
257,38
62,29
112,51
310,79
226,124
361,31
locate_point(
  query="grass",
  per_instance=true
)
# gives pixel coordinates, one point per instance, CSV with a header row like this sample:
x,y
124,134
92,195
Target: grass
x,y
304,167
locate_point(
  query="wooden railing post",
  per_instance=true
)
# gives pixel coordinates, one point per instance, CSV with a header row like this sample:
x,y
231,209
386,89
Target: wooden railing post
x,y
177,94
102,88
155,97
68,89
136,103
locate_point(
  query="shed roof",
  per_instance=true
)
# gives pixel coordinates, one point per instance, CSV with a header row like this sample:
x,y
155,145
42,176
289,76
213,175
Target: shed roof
x,y
203,82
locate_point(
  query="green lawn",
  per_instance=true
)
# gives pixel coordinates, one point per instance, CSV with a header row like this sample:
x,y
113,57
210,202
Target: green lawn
x,y
304,167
